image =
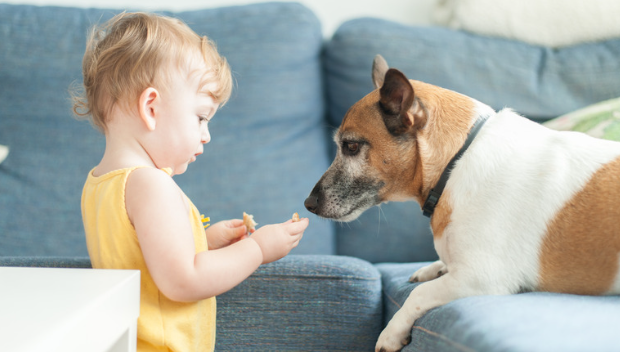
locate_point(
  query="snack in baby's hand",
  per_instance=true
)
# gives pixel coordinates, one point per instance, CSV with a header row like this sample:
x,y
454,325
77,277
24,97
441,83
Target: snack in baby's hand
x,y
248,221
295,217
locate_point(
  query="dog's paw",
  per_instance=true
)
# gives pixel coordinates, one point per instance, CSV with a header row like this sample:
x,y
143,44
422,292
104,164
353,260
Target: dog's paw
x,y
429,272
392,341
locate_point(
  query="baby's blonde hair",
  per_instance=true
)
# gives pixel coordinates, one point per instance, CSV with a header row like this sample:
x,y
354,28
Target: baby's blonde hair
x,y
134,51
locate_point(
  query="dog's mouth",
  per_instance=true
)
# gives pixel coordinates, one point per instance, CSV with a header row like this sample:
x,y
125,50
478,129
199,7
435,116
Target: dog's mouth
x,y
333,211
352,215
343,203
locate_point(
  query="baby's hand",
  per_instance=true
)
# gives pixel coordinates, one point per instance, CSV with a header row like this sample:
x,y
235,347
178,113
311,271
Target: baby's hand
x,y
276,241
225,233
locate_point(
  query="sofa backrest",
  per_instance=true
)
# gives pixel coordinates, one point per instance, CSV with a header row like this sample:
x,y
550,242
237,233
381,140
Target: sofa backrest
x,y
268,148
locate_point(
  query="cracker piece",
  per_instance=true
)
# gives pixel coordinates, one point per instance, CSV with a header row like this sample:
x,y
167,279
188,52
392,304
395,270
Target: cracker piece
x,y
248,221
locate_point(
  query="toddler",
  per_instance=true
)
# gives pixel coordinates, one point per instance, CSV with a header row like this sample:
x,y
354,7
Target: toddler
x,y
151,86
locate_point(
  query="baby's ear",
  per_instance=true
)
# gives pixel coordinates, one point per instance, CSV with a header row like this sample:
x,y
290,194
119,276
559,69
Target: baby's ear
x,y
148,104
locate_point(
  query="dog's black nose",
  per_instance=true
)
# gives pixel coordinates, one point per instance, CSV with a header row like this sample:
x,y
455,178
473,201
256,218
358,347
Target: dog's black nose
x,y
311,203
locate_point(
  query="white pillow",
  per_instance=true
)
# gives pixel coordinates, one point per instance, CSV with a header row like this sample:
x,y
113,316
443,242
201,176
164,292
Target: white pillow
x,y
551,23
4,151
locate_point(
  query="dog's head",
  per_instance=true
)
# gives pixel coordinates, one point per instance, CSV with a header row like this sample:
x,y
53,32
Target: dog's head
x,y
392,145
377,149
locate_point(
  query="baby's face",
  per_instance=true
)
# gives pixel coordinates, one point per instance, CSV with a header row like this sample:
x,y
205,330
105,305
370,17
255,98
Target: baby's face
x,y
186,109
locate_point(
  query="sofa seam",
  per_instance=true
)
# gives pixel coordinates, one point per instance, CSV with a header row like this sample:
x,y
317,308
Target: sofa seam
x,y
386,293
432,333
445,339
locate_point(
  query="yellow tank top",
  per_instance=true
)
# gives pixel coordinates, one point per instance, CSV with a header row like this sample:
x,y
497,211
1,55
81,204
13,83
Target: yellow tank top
x,y
163,325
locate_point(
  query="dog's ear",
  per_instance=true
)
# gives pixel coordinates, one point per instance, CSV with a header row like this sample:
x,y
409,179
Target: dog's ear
x,y
379,68
401,111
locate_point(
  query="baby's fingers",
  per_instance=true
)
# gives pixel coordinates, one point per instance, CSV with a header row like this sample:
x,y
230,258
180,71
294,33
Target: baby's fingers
x,y
297,227
235,223
297,238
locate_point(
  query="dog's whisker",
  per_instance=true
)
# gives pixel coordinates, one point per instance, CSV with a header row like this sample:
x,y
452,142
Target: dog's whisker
x,y
381,212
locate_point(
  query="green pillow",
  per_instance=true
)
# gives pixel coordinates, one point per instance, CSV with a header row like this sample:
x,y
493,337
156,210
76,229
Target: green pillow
x,y
601,120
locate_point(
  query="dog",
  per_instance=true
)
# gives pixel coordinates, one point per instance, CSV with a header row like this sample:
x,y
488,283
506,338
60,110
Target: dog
x,y
513,205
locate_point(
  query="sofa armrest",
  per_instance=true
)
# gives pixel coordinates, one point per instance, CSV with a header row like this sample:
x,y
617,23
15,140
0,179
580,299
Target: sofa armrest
x,y
303,302
46,262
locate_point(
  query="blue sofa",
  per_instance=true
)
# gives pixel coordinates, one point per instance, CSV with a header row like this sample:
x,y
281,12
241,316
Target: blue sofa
x,y
337,290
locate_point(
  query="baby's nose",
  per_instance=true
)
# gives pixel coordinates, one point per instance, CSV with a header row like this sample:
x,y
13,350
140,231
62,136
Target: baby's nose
x,y
205,136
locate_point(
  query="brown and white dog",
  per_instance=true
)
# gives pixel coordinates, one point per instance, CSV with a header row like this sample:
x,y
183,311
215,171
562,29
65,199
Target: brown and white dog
x,y
523,208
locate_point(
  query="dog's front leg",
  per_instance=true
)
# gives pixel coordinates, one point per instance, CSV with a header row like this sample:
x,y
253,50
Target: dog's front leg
x,y
426,296
429,272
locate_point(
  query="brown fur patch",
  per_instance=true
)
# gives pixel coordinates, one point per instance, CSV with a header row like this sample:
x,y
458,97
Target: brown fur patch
x,y
441,215
450,116
390,160
411,168
580,252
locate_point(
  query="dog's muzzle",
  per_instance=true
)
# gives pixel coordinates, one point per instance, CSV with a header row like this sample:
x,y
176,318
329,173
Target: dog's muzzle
x,y
312,203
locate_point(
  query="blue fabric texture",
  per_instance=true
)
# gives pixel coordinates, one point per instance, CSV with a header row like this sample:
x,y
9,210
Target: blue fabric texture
x,y
393,232
41,180
303,303
538,82
268,143
523,322
47,262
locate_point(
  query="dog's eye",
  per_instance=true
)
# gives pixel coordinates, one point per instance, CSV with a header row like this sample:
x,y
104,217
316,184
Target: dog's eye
x,y
350,148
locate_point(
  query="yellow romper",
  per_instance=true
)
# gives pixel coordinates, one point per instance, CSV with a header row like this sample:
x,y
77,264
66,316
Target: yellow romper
x,y
164,325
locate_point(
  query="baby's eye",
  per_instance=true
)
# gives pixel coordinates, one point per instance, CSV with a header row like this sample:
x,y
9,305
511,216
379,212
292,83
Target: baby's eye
x,y
202,119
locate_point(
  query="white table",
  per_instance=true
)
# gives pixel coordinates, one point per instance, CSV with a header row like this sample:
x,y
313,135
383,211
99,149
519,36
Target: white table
x,y
82,310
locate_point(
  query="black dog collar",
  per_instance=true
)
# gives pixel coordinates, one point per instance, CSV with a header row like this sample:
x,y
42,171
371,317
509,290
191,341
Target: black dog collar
x,y
435,194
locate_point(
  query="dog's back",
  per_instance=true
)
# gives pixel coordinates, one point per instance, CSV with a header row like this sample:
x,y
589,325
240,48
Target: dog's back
x,y
544,204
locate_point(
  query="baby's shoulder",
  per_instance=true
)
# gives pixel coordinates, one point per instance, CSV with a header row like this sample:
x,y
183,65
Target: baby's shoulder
x,y
151,182
149,188
148,172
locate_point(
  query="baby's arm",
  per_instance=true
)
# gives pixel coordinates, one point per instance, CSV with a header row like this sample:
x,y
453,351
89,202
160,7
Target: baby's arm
x,y
225,233
159,213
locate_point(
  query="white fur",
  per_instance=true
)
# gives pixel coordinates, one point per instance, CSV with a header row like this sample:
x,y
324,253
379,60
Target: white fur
x,y
515,177
429,272
506,190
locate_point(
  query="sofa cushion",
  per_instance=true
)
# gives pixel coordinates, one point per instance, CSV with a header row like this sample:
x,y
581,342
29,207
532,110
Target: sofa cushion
x,y
303,303
299,303
46,262
393,232
539,82
268,143
527,322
